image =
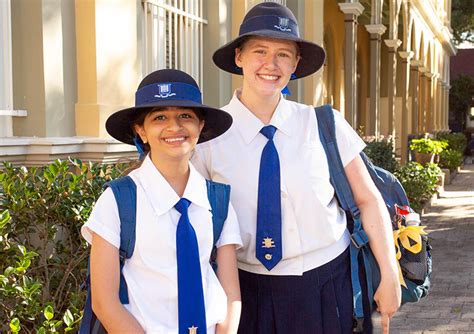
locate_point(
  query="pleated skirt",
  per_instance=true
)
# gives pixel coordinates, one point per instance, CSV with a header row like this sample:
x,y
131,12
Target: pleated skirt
x,y
319,301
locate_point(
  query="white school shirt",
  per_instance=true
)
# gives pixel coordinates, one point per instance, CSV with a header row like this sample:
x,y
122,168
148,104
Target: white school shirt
x,y
151,273
313,226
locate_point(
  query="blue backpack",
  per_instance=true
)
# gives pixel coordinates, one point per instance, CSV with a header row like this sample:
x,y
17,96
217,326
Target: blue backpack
x,y
125,193
363,263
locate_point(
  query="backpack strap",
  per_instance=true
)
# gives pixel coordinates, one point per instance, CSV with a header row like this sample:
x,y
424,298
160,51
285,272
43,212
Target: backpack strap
x,y
338,178
125,192
219,197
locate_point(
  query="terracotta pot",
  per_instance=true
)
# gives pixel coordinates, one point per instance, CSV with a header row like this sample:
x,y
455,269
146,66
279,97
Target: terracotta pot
x,y
424,158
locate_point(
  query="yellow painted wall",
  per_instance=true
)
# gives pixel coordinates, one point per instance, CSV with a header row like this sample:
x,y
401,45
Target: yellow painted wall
x,y
107,61
28,75
44,79
334,32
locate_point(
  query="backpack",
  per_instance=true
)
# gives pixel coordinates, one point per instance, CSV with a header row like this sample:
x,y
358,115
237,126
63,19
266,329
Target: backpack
x,y
363,263
125,193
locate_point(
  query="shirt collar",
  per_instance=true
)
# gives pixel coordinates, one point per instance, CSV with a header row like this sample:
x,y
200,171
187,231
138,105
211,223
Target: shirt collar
x,y
249,125
162,196
196,189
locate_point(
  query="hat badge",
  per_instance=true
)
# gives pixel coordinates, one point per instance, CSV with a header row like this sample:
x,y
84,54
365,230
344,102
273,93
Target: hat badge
x,y
164,91
283,24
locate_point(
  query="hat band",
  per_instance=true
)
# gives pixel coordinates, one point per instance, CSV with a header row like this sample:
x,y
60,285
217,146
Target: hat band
x,y
269,22
167,91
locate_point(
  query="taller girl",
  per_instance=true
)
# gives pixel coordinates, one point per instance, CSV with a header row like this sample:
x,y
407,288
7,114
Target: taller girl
x,y
294,267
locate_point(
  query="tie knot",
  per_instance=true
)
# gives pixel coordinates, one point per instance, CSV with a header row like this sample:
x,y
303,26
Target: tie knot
x,y
182,205
268,131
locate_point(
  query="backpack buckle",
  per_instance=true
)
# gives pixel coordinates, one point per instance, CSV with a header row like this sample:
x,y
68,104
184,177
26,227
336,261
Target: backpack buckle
x,y
359,238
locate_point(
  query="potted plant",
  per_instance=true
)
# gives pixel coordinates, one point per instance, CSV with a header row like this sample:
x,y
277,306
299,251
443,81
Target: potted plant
x,y
427,149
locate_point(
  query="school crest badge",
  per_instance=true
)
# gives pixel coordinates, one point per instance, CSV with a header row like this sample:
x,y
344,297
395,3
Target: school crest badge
x,y
164,91
283,24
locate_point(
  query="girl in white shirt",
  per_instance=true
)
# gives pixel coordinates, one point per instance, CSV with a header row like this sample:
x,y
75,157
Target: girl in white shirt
x,y
166,123
295,272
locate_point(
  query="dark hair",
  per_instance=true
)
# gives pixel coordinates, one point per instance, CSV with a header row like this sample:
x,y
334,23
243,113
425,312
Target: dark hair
x,y
140,119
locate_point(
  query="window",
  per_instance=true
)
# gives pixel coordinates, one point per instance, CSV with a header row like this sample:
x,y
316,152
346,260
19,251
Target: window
x,y
173,36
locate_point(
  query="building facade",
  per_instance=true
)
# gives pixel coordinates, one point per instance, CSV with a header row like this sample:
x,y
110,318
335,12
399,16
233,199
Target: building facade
x,y
67,65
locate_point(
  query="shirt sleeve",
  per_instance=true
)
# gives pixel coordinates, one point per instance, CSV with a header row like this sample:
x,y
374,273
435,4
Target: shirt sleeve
x,y
199,161
104,220
231,231
349,142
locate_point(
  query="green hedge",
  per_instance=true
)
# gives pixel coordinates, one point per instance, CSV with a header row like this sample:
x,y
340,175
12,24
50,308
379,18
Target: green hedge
x,y
43,258
420,183
451,159
381,153
456,141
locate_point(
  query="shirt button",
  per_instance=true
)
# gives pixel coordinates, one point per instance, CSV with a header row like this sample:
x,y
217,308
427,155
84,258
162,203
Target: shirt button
x,y
284,194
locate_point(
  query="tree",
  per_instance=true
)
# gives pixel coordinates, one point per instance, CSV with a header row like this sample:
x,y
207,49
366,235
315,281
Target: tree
x,y
462,20
461,98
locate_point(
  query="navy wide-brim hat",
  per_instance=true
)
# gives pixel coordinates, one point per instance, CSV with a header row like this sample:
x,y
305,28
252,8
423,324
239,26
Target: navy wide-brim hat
x,y
271,20
167,88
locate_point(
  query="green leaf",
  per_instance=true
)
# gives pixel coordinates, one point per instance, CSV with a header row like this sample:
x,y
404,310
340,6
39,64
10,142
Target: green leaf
x,y
15,325
8,271
20,270
22,249
68,318
42,330
48,312
4,218
25,263
35,287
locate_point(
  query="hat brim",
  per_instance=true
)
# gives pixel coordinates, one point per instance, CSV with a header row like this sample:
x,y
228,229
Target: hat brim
x,y
312,55
216,121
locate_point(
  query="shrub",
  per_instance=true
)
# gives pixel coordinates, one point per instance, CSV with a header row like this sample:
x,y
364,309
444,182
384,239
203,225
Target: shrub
x,y
456,140
428,145
380,151
420,183
42,255
451,159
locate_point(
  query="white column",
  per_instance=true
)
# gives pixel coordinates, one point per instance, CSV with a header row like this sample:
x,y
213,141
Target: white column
x,y
406,56
415,92
6,91
352,12
440,104
429,102
375,30
446,107
422,114
392,45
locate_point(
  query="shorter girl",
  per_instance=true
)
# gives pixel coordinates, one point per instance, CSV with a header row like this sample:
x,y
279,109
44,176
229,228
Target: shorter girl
x,y
166,123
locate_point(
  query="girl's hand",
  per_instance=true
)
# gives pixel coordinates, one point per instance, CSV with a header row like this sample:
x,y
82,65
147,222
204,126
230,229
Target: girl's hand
x,y
388,298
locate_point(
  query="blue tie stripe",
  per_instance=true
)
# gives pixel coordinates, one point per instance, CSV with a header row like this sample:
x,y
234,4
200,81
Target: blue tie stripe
x,y
191,308
268,239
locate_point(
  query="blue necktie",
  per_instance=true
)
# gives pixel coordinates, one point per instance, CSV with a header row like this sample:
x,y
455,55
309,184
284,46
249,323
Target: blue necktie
x,y
268,243
191,310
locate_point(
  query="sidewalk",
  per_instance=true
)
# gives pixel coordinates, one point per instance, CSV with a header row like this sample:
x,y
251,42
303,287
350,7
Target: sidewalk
x,y
449,308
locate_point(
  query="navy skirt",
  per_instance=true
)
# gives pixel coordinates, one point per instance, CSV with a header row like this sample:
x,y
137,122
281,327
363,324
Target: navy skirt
x,y
319,301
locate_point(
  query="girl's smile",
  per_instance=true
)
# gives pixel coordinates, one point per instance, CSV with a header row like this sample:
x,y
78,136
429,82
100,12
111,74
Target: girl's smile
x,y
172,132
267,65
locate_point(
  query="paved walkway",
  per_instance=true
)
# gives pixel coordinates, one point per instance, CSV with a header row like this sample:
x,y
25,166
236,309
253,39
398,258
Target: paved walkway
x,y
449,308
